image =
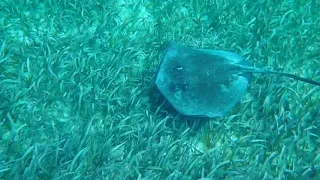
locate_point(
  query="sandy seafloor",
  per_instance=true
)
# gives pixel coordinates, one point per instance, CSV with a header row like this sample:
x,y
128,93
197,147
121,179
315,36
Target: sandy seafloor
x,y
78,99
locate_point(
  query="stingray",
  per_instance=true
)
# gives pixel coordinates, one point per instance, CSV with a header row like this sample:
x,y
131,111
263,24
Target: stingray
x,y
204,82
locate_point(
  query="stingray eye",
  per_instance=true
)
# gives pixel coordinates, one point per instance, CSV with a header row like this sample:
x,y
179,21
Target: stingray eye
x,y
179,68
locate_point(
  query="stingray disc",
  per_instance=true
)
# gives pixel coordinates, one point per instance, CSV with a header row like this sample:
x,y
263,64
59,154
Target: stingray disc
x,y
201,82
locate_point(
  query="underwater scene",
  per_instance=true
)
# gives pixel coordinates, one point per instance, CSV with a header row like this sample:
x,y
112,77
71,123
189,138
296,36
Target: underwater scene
x,y
160,89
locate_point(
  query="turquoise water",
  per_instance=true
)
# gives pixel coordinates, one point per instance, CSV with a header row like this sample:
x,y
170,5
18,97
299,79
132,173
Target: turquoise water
x,y
78,100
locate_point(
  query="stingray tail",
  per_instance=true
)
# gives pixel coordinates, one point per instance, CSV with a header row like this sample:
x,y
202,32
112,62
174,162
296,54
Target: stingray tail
x,y
296,77
264,71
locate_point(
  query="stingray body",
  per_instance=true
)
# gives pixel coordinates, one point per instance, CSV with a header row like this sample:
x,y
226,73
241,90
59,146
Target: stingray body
x,y
203,82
